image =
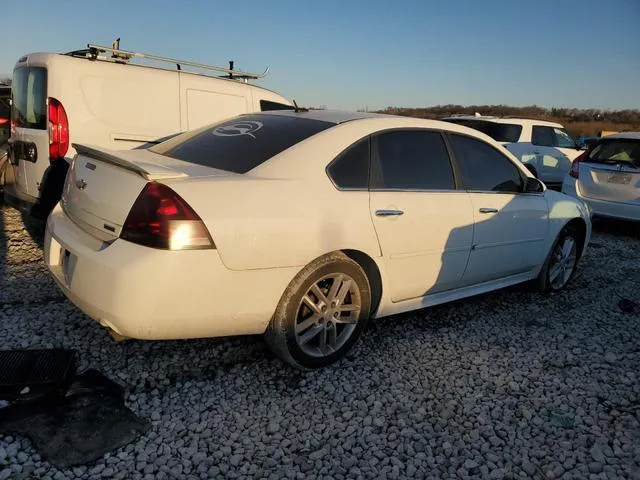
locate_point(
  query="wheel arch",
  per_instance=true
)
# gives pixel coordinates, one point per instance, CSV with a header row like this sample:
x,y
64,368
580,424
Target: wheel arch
x,y
581,227
372,272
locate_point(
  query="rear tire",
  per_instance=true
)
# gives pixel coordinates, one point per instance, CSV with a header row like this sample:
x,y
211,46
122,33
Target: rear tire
x,y
561,262
321,314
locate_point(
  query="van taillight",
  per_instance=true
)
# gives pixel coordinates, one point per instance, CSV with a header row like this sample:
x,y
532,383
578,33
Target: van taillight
x,y
160,218
58,130
4,121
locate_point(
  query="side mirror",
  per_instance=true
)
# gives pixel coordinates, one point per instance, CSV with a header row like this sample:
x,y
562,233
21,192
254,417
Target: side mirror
x,y
533,185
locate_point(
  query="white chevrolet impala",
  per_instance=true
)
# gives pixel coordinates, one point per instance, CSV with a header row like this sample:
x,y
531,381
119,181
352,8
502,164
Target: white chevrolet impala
x,y
302,225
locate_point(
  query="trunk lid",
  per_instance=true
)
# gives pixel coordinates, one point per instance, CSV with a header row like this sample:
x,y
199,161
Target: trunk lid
x,y
102,185
611,172
610,182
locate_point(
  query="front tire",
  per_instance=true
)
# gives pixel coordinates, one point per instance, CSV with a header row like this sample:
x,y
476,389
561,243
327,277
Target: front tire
x,y
562,261
321,314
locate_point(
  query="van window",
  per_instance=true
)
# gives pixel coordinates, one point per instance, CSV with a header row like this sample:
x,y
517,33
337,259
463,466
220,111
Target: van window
x,y
266,105
500,132
29,97
241,143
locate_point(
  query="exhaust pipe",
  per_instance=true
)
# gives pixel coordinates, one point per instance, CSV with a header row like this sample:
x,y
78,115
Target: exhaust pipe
x,y
116,336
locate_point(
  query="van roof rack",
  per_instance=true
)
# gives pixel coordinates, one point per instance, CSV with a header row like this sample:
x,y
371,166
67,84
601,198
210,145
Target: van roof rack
x,y
123,56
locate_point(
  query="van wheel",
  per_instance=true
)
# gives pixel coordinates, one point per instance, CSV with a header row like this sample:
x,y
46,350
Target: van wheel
x,y
321,314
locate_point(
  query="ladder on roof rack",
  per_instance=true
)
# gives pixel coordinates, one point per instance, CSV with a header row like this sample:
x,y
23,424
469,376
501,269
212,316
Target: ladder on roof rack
x,y
117,53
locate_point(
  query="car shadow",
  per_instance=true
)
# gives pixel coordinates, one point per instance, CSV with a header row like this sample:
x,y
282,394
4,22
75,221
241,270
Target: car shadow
x,y
618,228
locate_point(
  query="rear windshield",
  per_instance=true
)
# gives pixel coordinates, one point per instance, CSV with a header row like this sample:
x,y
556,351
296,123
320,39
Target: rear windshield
x,y
500,132
242,143
29,95
621,151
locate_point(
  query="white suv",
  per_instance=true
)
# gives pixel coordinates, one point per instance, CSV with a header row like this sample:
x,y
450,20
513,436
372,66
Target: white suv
x,y
545,148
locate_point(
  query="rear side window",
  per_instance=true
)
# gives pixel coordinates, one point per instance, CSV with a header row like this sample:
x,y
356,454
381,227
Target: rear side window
x,y
266,105
351,168
412,160
484,168
500,132
29,97
242,143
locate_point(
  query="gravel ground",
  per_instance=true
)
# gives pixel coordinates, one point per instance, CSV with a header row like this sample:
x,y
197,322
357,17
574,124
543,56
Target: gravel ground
x,y
508,385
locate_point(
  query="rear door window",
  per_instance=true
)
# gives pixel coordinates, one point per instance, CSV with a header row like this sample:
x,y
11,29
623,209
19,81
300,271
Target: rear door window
x,y
242,143
411,160
29,96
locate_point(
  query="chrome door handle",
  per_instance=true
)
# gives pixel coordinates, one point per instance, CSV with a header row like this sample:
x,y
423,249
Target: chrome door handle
x,y
537,152
388,213
488,210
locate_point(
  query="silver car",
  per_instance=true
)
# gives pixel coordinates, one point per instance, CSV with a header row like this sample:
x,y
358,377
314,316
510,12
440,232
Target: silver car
x,y
607,177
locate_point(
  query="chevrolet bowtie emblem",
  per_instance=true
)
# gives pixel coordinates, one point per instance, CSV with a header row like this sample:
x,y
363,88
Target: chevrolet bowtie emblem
x,y
81,184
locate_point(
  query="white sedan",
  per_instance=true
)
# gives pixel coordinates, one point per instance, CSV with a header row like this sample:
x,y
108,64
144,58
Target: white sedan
x,y
607,177
302,225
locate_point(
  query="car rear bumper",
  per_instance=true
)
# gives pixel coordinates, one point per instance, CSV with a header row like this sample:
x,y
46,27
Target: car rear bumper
x,y
601,208
150,294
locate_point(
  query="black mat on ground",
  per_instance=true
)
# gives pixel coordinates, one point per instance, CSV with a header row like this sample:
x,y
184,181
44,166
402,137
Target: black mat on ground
x,y
78,428
29,373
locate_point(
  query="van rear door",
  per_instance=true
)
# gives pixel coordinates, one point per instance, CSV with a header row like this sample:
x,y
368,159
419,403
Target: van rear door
x,y
30,135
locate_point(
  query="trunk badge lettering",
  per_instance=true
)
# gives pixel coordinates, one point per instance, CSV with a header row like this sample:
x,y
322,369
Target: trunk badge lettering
x,y
81,184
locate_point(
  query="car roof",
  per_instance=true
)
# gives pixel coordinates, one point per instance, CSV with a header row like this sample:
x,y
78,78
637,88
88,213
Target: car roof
x,y
330,116
623,135
512,120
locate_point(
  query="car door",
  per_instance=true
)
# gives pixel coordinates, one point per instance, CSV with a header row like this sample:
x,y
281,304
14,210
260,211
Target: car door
x,y
423,222
510,226
551,145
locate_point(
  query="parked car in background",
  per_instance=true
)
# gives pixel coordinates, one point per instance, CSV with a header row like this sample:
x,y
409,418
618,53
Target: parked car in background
x,y
607,177
99,96
302,225
545,148
5,126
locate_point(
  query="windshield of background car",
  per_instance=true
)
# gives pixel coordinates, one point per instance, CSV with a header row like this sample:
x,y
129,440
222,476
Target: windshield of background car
x,y
29,93
500,132
617,151
242,143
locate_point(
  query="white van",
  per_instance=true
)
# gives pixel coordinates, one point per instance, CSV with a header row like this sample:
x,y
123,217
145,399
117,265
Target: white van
x,y
98,96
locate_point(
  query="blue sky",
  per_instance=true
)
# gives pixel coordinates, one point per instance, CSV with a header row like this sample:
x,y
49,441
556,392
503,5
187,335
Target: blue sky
x,y
351,54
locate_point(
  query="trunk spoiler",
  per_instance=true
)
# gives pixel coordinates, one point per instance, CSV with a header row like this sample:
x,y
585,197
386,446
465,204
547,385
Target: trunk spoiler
x,y
147,170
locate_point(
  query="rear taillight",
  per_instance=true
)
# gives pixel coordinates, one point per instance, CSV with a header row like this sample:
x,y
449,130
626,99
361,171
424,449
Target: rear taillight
x,y
4,121
160,218
575,166
58,130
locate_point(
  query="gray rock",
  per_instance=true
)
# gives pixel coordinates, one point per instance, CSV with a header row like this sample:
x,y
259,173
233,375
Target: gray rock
x,y
595,467
597,455
5,474
470,464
